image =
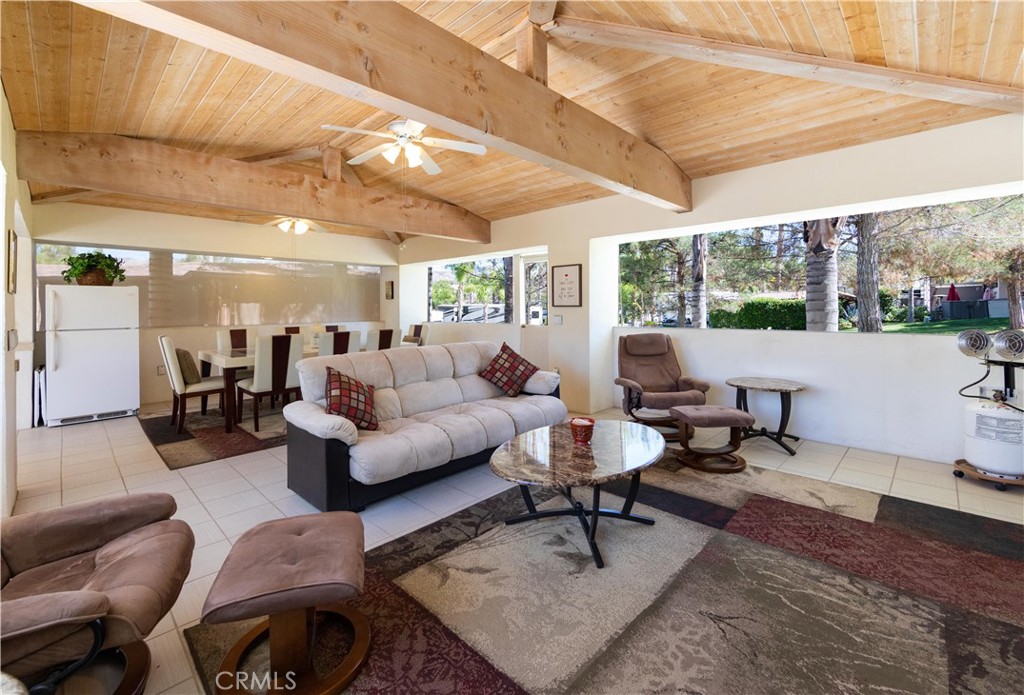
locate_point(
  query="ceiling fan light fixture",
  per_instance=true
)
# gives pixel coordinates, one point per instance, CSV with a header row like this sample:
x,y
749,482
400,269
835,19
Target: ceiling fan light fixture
x,y
301,226
413,155
285,225
391,153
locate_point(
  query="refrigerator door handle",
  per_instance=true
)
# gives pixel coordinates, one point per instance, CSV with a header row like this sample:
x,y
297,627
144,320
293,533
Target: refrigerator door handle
x,y
56,353
53,313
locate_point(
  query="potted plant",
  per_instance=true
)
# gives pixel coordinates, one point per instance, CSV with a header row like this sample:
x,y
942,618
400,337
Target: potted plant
x,y
93,268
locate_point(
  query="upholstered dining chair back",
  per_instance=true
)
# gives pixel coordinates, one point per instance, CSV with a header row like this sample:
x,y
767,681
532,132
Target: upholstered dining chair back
x,y
171,364
650,360
338,343
291,330
274,368
335,328
379,339
232,339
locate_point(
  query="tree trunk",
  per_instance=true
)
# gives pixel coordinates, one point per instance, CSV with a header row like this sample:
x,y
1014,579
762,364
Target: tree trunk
x,y
822,274
780,248
869,314
430,291
1014,286
509,290
910,302
458,302
699,307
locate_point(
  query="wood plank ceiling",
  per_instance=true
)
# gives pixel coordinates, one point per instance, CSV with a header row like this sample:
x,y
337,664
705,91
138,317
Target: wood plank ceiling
x,y
68,68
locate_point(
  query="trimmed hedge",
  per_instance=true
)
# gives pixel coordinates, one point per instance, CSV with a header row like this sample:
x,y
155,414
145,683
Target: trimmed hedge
x,y
777,314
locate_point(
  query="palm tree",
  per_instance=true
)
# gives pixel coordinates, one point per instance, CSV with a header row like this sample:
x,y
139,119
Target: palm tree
x,y
822,240
699,302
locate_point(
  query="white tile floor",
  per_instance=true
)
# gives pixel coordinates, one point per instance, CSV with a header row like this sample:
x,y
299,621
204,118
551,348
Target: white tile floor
x,y
222,499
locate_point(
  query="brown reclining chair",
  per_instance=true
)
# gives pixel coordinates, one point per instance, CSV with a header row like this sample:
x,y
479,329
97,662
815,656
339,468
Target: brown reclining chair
x,y
652,381
88,577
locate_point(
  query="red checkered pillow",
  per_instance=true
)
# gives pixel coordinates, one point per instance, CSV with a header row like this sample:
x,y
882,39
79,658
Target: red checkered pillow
x,y
508,371
350,399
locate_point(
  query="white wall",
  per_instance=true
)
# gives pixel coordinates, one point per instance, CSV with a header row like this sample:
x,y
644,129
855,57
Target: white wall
x,y
15,214
971,160
884,392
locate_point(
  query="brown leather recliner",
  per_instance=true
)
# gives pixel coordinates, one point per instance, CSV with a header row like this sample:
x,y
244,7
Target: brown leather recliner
x,y
88,577
652,381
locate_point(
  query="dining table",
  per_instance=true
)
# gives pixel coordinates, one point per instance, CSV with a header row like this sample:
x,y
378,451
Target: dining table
x,y
230,362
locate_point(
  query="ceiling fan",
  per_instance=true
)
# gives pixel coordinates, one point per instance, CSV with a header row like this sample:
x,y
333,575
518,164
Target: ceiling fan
x,y
407,135
295,224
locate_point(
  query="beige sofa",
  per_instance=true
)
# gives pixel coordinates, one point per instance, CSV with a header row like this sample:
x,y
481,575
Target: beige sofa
x,y
437,416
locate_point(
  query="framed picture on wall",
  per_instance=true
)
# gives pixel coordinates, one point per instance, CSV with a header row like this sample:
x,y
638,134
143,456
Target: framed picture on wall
x,y
389,289
566,285
12,261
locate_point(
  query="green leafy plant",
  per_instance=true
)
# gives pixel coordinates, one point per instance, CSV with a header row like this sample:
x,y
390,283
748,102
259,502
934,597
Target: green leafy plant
x,y
83,263
759,312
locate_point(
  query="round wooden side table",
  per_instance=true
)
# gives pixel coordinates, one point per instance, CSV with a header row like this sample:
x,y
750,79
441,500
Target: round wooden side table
x,y
785,388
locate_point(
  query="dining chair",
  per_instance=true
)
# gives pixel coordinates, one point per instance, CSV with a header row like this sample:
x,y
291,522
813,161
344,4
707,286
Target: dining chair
x,y
379,339
291,330
335,328
274,373
187,386
229,339
338,343
415,336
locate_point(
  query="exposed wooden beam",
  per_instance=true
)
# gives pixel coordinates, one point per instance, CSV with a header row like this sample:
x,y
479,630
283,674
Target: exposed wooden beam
x,y
542,12
271,158
374,52
860,75
63,195
504,44
132,167
532,52
337,169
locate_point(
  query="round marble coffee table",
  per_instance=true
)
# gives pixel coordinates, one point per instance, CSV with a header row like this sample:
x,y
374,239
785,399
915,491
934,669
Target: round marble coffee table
x,y
548,457
785,388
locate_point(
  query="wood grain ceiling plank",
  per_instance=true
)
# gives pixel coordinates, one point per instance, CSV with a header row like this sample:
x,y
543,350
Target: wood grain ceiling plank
x,y
231,72
865,35
730,15
153,62
178,73
641,14
898,24
1006,44
826,18
669,12
704,21
487,18
221,134
50,23
972,24
89,34
910,119
474,96
1018,74
17,65
126,166
934,36
765,23
798,27
199,83
791,64
123,49
542,12
252,82
249,134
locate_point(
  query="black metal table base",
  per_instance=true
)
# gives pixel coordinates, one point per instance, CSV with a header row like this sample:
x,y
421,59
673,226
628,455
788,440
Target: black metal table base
x,y
777,436
587,518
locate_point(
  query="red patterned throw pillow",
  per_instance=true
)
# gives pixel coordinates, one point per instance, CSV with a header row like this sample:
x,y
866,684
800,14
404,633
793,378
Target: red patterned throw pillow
x,y
508,371
350,399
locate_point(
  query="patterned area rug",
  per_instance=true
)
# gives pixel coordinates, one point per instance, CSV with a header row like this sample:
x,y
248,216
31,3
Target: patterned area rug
x,y
204,438
751,583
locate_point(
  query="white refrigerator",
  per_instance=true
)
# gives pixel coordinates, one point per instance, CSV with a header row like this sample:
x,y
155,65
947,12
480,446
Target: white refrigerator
x,y
92,353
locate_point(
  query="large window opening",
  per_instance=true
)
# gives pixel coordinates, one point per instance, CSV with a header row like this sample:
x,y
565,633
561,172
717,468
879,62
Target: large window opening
x,y
183,289
535,291
472,291
934,269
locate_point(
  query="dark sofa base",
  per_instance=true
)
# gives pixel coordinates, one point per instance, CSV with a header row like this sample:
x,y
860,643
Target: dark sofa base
x,y
318,472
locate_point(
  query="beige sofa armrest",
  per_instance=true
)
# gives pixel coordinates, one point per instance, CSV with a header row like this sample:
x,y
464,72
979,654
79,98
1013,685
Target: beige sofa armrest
x,y
78,528
542,383
314,419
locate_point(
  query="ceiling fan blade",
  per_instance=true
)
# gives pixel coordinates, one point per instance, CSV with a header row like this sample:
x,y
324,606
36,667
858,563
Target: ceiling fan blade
x,y
369,154
429,165
458,145
360,131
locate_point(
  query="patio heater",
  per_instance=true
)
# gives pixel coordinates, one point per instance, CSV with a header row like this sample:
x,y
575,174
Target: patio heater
x,y
994,424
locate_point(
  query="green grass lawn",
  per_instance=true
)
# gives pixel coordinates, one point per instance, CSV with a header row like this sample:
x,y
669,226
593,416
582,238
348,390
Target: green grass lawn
x,y
949,327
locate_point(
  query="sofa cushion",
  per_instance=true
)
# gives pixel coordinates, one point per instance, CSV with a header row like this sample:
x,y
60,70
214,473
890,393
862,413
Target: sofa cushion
x,y
475,388
410,446
422,396
471,358
351,399
509,370
529,412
